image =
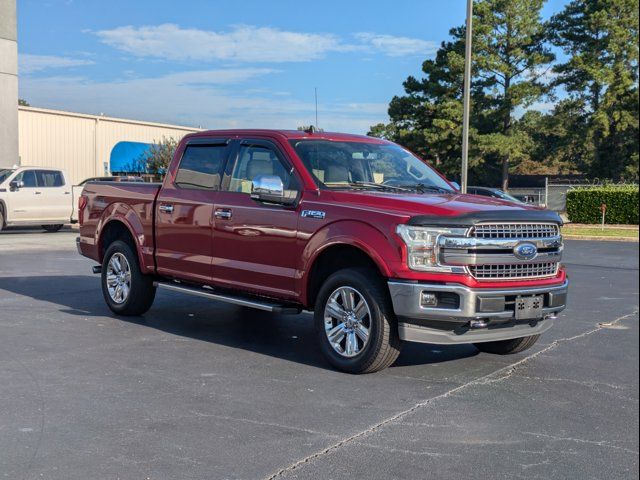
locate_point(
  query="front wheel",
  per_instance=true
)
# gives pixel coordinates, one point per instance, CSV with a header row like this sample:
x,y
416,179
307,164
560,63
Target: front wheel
x,y
125,289
355,323
508,347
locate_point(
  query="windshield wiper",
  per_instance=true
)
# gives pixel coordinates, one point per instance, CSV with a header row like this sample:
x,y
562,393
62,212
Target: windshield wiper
x,y
380,186
422,188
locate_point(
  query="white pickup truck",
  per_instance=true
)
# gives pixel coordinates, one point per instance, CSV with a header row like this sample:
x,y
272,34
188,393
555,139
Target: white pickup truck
x,y
35,196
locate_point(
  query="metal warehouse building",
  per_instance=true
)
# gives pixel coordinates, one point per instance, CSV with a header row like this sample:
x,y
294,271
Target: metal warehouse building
x,y
86,145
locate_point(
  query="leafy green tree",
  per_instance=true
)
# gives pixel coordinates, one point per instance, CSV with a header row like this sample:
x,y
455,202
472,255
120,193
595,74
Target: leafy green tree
x,y
159,155
554,141
23,103
600,38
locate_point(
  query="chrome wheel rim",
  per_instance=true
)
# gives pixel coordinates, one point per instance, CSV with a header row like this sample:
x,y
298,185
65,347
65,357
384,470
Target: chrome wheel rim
x,y
118,278
347,321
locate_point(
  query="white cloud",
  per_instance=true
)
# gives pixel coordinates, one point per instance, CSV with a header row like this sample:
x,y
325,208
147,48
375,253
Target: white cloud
x,y
198,98
246,43
242,43
29,63
397,46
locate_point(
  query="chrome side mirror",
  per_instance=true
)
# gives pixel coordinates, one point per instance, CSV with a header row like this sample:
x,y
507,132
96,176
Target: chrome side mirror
x,y
16,185
268,188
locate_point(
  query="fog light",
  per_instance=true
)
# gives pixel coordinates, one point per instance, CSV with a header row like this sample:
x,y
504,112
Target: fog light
x,y
428,299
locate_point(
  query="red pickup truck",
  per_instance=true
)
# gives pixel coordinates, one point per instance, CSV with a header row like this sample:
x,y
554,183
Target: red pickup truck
x,y
356,229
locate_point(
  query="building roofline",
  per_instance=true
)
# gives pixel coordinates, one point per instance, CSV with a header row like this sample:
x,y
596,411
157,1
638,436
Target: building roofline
x,y
103,118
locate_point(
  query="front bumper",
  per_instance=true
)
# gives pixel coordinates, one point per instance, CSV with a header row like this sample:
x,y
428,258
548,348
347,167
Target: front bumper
x,y
470,315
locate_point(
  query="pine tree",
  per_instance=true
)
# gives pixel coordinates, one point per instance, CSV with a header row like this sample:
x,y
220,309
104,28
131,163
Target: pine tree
x,y
600,37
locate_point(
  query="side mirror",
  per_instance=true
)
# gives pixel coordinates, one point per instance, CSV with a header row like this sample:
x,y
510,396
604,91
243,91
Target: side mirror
x,y
16,185
268,188
456,185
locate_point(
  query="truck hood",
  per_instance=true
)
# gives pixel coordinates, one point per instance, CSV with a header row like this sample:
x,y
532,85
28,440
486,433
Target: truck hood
x,y
428,208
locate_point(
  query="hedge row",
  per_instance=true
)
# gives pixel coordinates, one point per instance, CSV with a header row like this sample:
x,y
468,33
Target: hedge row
x,y
583,204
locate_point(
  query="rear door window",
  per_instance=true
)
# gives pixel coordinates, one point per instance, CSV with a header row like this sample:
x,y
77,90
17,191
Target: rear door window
x,y
201,167
49,178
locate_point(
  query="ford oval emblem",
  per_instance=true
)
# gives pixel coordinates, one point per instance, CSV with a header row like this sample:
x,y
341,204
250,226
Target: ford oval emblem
x,y
525,251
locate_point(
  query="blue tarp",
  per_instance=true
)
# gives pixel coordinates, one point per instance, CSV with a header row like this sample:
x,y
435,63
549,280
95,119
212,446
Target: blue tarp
x,y
127,157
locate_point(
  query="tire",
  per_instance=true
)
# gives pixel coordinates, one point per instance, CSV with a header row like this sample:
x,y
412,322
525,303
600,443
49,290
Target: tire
x,y
382,345
1,218
52,228
139,293
508,347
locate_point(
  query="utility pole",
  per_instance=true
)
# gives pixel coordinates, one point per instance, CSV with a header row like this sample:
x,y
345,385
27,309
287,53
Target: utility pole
x,y
466,97
316,98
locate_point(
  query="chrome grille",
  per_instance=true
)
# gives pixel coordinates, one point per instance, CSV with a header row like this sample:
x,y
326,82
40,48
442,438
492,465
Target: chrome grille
x,y
516,230
514,271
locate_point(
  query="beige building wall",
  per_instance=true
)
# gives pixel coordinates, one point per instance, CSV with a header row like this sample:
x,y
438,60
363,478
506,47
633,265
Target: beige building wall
x,y
81,144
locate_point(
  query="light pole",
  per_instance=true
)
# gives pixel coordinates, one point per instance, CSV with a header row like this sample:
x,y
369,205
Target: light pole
x,y
466,97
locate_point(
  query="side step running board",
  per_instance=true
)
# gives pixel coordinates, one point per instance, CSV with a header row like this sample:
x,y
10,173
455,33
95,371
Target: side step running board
x,y
236,300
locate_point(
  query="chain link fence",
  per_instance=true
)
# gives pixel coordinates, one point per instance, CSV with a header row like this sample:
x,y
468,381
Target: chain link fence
x,y
553,196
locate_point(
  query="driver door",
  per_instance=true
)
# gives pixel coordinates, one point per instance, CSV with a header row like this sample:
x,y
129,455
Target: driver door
x,y
255,246
24,203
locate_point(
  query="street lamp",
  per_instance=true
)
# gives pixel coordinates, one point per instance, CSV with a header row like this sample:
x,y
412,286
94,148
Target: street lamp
x,y
466,98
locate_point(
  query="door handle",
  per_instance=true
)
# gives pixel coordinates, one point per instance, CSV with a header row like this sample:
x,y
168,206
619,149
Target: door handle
x,y
166,208
224,214
37,193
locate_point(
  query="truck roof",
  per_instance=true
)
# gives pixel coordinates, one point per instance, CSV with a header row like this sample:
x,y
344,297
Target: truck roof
x,y
289,135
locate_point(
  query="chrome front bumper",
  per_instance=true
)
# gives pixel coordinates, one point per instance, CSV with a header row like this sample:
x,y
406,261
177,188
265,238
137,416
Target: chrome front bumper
x,y
457,322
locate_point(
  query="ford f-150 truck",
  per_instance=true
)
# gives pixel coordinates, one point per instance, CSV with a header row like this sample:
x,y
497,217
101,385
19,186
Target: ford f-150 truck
x,y
356,229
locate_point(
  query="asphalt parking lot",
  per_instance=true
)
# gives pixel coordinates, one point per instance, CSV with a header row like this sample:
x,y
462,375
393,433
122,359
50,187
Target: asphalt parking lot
x,y
197,390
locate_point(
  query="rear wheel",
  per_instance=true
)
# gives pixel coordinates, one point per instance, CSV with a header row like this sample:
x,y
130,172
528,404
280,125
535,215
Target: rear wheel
x,y
125,289
508,347
1,219
355,323
52,228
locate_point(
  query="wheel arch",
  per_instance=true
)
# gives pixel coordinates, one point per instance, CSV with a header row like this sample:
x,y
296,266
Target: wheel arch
x,y
117,229
333,257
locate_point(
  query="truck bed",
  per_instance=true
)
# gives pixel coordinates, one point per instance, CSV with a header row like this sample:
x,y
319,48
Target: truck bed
x,y
132,203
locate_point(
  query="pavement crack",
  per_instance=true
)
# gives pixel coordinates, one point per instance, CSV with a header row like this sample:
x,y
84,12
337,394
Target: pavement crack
x,y
406,451
501,374
599,443
263,423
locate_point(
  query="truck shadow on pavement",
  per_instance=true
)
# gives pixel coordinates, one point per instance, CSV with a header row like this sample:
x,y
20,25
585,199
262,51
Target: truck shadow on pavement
x,y
289,337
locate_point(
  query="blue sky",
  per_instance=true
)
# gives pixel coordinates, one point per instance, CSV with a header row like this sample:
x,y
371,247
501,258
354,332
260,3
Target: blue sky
x,y
229,64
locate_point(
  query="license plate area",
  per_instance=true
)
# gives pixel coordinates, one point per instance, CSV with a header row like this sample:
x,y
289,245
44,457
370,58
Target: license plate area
x,y
529,307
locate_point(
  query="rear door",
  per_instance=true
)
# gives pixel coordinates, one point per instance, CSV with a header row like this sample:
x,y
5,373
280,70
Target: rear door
x,y
255,244
55,196
184,211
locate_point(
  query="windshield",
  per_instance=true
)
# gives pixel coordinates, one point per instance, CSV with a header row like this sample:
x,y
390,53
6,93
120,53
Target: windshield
x,y
360,165
4,174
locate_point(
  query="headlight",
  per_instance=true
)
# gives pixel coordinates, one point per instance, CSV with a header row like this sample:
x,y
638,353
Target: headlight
x,y
422,246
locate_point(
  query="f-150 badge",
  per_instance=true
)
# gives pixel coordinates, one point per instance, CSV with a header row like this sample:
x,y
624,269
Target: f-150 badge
x,y
313,214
